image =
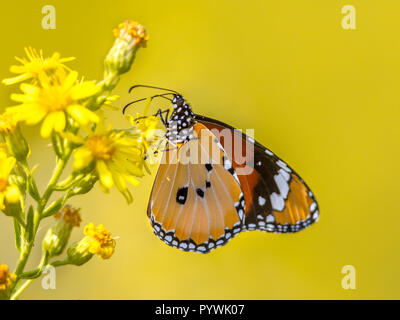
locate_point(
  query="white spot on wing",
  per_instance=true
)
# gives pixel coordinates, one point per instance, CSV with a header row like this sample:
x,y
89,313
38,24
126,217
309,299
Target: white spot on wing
x,y
284,174
277,201
282,185
269,152
270,218
183,245
283,165
313,206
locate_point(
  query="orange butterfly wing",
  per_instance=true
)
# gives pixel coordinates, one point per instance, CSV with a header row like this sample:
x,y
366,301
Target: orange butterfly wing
x,y
197,202
277,199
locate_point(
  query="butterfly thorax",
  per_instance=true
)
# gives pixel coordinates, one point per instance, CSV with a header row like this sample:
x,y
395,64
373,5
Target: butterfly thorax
x,y
180,124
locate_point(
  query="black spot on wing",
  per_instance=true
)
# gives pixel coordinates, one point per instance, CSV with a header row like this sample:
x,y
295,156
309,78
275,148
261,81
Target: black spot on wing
x,y
200,192
181,195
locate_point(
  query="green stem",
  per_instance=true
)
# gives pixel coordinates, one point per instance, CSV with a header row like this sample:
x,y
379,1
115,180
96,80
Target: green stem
x,y
26,249
17,293
35,274
59,263
68,183
38,271
61,163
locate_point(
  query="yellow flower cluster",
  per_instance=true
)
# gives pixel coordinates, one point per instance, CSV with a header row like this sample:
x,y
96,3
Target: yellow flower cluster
x,y
55,97
6,277
69,112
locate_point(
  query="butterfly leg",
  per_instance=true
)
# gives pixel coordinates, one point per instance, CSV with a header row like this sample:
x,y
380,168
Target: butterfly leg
x,y
160,113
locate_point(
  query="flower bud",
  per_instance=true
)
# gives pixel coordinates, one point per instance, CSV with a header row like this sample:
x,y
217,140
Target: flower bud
x,y
58,235
78,253
84,185
12,206
130,36
15,141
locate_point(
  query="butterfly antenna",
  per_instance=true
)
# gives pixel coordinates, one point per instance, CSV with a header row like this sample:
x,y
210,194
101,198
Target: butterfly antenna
x,y
155,96
151,87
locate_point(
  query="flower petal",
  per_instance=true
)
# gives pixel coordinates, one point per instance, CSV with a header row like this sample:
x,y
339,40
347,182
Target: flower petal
x,y
48,125
30,89
16,79
70,80
82,114
2,201
104,175
84,90
59,121
12,194
82,158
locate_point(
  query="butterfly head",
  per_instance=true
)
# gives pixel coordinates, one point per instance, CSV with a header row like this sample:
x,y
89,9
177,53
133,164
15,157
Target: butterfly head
x,y
180,124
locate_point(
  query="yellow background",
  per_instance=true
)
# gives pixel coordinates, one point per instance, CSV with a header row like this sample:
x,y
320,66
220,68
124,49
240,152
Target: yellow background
x,y
324,99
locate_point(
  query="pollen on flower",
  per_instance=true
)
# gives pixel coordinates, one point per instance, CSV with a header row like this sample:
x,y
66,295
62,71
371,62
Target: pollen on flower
x,y
132,32
101,242
70,215
101,146
6,277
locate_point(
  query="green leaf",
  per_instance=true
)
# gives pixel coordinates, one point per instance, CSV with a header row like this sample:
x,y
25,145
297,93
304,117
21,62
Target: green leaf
x,y
53,208
17,231
29,225
58,145
33,190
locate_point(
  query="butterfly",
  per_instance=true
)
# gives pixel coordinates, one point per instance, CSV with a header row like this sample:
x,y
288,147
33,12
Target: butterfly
x,y
215,182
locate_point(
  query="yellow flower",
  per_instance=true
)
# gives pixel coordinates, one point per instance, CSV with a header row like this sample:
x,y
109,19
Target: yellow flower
x,y
35,64
52,101
132,32
8,192
6,277
97,240
117,157
100,240
130,36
